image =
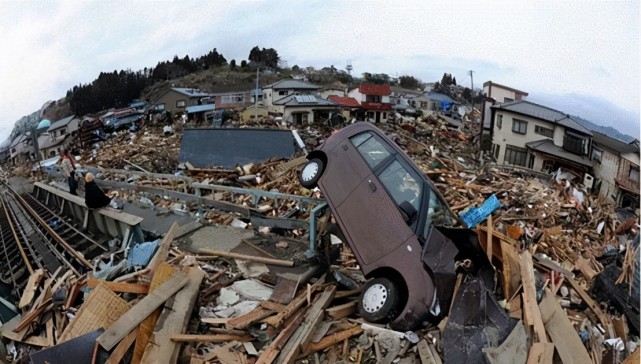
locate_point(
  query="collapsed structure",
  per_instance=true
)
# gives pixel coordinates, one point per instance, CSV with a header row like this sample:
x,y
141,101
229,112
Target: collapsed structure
x,y
561,280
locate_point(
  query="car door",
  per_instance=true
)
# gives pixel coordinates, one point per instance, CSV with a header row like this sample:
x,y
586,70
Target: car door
x,y
371,211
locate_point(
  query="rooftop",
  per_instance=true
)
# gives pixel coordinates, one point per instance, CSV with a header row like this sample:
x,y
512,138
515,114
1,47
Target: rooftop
x,y
612,143
303,100
344,101
544,113
490,83
547,146
61,123
292,84
190,92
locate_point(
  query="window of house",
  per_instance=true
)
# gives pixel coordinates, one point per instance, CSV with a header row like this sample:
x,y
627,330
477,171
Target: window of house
x,y
544,131
519,126
232,99
597,154
496,148
634,174
283,93
499,121
423,104
507,99
548,165
384,115
180,103
515,155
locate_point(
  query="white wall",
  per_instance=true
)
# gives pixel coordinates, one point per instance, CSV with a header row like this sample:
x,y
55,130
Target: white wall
x,y
505,135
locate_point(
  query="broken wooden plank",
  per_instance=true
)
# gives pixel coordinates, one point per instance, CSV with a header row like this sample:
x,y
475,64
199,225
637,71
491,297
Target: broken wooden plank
x,y
122,348
332,339
193,338
270,261
277,320
173,320
529,296
141,310
424,353
271,352
120,287
30,289
162,273
163,249
303,335
341,311
249,318
605,321
541,353
564,336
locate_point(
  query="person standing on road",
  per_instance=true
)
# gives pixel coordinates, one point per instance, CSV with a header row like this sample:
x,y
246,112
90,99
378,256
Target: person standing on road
x,y
69,170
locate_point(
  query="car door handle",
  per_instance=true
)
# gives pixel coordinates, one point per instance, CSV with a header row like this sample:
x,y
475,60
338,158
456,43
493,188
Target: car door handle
x,y
372,186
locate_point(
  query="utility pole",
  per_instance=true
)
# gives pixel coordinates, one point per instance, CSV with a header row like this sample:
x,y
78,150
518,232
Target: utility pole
x,y
471,73
256,97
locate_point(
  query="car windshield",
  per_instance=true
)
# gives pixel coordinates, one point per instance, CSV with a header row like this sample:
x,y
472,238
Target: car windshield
x,y
371,149
401,185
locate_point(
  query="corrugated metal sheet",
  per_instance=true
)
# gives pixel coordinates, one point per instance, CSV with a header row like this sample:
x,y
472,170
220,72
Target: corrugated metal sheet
x,y
226,148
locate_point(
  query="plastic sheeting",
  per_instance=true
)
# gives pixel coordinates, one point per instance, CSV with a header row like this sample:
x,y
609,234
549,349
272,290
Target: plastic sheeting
x,y
474,216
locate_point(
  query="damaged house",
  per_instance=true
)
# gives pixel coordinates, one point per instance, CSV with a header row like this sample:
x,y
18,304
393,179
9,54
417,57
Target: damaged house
x,y
176,99
533,136
616,169
281,89
374,100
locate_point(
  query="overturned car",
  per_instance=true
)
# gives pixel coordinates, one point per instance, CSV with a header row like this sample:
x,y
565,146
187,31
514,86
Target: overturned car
x,y
394,220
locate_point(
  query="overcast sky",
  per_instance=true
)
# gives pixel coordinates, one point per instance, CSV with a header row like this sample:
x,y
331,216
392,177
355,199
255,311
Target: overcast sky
x,y
588,50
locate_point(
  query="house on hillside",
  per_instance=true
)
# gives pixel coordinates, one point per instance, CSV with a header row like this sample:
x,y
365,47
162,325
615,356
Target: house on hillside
x,y
533,136
374,100
20,149
432,102
348,106
176,99
284,88
495,94
64,127
236,96
300,109
399,94
615,177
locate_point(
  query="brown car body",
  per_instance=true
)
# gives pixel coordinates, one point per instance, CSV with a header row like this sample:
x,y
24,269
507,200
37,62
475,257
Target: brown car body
x,y
364,196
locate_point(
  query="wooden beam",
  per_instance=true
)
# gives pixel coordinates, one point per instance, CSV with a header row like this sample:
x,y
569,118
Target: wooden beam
x,y
529,296
490,230
163,249
271,261
330,340
249,318
541,353
30,289
341,311
173,320
271,352
141,310
163,272
119,286
188,338
605,321
122,348
564,336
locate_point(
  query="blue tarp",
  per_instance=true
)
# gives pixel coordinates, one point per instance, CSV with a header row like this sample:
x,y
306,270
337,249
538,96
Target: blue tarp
x,y
473,216
140,254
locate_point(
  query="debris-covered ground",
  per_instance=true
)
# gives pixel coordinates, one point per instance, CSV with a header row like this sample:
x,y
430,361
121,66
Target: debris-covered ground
x,y
564,286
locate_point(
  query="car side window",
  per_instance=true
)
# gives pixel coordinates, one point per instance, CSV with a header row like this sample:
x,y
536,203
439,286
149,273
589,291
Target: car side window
x,y
400,184
370,148
436,211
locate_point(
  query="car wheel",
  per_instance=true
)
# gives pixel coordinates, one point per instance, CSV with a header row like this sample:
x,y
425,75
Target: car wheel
x,y
311,173
379,301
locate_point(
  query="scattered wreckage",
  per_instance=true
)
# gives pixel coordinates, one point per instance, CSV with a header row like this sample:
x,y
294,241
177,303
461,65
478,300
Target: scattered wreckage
x,y
515,287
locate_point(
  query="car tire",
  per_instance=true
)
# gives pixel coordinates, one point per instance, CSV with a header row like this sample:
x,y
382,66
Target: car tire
x,y
311,172
379,301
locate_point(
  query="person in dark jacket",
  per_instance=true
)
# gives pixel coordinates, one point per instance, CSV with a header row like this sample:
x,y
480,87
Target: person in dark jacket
x,y
94,197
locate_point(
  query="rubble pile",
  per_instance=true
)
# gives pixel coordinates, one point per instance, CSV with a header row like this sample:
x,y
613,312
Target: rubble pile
x,y
564,272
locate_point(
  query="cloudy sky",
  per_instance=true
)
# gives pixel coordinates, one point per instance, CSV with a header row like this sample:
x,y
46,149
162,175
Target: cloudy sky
x,y
580,57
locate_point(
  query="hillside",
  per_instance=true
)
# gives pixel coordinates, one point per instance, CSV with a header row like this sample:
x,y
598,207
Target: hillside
x,y
607,130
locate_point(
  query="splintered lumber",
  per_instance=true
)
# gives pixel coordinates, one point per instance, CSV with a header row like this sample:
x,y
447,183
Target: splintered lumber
x,y
220,338
425,353
163,249
7,329
249,318
122,348
303,334
541,353
173,320
340,311
564,336
271,352
270,261
101,308
605,321
31,288
141,310
163,272
634,358
529,296
119,286
277,320
332,339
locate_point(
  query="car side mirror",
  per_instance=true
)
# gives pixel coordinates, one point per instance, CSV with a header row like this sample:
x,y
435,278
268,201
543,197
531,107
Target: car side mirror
x,y
408,211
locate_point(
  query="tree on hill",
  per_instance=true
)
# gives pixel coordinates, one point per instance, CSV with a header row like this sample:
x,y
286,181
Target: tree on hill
x,y
265,57
232,64
376,78
409,82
